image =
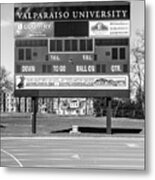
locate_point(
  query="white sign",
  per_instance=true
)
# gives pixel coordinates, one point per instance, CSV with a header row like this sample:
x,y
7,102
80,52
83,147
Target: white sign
x,y
74,104
34,29
93,82
109,28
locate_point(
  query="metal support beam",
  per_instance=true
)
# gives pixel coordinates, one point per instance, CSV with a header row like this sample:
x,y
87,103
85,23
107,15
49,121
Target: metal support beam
x,y
34,113
109,115
19,105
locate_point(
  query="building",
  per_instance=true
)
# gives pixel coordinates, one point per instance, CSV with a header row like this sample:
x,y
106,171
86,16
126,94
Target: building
x,y
75,106
59,106
2,102
8,102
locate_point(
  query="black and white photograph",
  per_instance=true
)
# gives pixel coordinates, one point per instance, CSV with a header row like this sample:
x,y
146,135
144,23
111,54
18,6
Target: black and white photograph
x,y
72,85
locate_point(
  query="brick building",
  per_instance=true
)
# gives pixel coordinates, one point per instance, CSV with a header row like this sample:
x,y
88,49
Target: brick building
x,y
60,106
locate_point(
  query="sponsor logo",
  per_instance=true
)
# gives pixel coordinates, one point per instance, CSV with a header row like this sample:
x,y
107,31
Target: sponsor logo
x,y
33,29
99,27
109,28
20,84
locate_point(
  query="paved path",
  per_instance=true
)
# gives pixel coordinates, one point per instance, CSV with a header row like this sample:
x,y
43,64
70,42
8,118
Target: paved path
x,y
74,152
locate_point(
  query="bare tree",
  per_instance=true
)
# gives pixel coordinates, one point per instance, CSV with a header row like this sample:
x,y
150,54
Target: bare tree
x,y
138,69
5,81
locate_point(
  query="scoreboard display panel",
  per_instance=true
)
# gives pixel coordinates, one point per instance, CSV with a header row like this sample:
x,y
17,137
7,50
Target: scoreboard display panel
x,y
78,49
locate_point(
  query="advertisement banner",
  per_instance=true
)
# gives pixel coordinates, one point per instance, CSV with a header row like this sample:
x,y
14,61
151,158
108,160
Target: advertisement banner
x,y
34,29
72,82
109,28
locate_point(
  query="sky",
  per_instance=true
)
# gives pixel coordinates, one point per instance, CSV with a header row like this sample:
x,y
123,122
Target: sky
x,y
7,30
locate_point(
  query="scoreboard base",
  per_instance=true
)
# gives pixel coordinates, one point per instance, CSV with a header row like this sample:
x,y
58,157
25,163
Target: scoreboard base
x,y
72,93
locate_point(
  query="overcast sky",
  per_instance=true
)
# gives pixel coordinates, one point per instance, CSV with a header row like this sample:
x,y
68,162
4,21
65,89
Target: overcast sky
x,y
7,30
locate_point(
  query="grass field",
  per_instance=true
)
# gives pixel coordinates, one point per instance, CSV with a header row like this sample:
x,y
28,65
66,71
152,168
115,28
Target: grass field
x,y
19,124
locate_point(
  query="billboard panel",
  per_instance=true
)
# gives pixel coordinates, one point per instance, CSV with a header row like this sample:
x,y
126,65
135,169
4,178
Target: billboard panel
x,y
72,47
93,82
109,28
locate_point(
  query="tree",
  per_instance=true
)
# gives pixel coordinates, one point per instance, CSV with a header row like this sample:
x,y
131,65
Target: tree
x,y
138,69
5,81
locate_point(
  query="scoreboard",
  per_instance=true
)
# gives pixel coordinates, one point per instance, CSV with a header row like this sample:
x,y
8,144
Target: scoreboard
x,y
78,49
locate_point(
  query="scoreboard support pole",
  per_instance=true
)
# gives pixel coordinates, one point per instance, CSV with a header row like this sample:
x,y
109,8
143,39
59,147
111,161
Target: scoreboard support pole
x,y
34,113
109,115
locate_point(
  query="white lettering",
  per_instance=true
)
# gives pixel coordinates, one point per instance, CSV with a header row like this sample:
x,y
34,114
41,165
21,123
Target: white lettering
x,y
87,57
81,14
116,68
124,12
66,15
60,68
28,69
55,58
85,68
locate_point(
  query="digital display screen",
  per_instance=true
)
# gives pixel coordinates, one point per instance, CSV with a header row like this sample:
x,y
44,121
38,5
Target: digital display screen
x,y
69,29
